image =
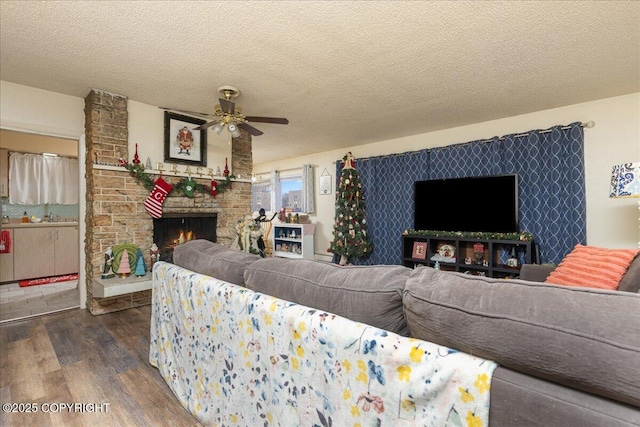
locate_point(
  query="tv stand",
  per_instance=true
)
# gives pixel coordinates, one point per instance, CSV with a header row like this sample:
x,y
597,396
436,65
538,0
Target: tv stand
x,y
492,262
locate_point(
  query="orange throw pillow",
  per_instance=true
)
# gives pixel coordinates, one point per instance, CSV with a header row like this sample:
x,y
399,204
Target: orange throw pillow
x,y
593,267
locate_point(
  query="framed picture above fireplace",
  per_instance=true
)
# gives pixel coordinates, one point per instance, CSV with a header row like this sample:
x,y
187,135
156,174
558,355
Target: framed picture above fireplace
x,y
183,144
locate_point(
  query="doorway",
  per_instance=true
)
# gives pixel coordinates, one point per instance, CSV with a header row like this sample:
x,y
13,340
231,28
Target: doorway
x,y
18,298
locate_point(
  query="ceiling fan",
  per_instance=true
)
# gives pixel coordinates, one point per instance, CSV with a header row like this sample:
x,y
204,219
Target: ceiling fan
x,y
227,113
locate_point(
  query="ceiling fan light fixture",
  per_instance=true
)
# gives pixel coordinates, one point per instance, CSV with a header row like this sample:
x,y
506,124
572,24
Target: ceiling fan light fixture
x,y
233,129
217,128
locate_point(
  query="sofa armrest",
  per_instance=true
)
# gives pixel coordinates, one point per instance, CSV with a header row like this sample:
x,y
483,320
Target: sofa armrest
x,y
536,272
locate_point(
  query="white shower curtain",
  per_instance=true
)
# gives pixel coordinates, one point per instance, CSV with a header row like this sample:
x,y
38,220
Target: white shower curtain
x,y
35,179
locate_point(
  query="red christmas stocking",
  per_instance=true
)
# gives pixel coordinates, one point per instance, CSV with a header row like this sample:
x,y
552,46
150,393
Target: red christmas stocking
x,y
153,204
214,188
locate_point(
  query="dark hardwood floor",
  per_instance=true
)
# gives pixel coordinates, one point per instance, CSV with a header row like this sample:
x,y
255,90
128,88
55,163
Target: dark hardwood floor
x,y
74,357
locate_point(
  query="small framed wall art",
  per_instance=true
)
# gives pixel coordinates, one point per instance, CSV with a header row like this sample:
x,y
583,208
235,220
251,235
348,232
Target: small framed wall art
x,y
419,250
325,183
183,144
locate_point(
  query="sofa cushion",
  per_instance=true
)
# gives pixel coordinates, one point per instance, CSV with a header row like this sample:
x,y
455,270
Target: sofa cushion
x,y
525,401
213,259
631,280
594,267
588,339
366,294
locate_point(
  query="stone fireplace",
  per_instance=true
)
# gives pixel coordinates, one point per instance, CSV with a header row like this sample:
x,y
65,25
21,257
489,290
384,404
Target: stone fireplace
x,y
175,229
115,212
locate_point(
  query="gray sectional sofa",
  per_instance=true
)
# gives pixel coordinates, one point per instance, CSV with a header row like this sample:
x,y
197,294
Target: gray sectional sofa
x,y
567,356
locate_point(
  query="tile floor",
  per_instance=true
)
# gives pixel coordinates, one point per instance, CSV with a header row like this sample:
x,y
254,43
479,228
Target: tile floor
x,y
18,303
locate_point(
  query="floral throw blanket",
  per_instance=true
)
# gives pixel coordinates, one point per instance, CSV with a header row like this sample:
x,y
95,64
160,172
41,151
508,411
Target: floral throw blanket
x,y
235,357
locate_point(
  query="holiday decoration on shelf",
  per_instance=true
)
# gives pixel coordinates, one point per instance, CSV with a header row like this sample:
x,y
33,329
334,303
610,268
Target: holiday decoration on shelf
x,y
141,268
136,159
154,255
153,203
350,238
226,167
144,179
523,236
107,272
124,269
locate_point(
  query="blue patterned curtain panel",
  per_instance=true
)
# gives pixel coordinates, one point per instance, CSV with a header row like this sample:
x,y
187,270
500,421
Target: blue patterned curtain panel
x,y
550,168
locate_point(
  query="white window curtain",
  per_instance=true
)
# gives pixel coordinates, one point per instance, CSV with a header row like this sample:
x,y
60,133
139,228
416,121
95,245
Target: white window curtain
x,y
35,179
276,193
25,185
308,203
60,180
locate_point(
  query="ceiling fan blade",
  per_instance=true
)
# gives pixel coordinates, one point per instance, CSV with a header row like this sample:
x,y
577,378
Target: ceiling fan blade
x,y
275,120
227,107
188,112
206,125
253,131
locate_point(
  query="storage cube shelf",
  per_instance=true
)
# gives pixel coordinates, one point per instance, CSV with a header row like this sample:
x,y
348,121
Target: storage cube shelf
x,y
420,250
293,240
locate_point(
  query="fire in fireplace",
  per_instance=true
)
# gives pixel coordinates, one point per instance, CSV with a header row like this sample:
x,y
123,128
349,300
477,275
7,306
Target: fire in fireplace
x,y
174,229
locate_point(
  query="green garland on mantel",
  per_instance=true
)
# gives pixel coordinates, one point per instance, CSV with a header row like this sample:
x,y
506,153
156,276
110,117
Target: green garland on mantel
x,y
144,179
525,236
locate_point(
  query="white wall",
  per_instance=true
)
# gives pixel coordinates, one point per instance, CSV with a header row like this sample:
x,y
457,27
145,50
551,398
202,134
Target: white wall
x,y
146,128
615,139
39,111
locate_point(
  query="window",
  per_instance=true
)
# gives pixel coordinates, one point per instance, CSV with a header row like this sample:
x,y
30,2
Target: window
x,y
278,192
261,196
291,188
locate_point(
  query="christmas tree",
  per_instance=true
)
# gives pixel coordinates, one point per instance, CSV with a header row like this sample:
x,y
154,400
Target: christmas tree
x,y
350,239
124,269
141,268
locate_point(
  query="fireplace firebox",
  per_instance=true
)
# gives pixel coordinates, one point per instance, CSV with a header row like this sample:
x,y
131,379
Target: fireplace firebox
x,y
174,229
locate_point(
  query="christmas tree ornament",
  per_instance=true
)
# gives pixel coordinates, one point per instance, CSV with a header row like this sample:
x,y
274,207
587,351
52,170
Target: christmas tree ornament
x,y
226,167
153,203
136,159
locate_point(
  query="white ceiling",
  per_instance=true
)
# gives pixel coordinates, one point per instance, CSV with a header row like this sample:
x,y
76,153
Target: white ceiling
x,y
343,73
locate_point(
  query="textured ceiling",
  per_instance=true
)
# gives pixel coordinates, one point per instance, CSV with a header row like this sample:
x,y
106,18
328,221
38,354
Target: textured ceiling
x,y
343,73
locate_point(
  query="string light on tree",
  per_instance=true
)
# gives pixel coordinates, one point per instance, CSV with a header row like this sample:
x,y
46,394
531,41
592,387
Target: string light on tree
x,y
350,238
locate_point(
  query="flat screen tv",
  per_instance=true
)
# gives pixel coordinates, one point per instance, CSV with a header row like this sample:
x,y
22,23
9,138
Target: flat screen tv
x,y
480,204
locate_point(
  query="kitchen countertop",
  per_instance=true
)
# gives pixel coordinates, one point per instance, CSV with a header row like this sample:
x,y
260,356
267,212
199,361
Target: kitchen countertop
x,y
39,224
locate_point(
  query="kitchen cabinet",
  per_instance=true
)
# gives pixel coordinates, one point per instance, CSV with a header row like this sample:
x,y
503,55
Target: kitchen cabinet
x,y
45,251
67,253
6,263
4,172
